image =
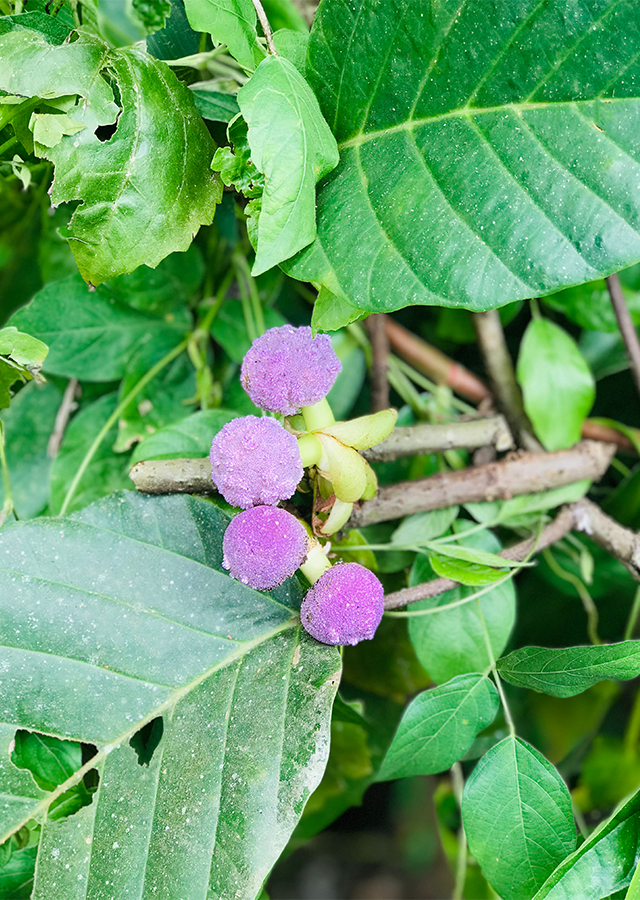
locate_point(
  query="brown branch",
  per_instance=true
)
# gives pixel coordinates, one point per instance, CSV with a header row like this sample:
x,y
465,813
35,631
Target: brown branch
x,y
582,516
462,434
67,406
434,363
627,330
593,431
375,325
499,367
266,27
526,473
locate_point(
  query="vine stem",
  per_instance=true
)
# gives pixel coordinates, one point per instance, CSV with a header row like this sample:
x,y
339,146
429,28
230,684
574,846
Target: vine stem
x,y
266,27
494,671
8,496
115,415
457,783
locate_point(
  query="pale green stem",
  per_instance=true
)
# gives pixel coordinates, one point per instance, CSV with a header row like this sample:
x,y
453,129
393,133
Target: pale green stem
x,y
633,616
457,783
9,507
577,815
310,449
632,733
534,306
316,563
494,671
428,385
115,415
244,274
587,601
318,416
408,614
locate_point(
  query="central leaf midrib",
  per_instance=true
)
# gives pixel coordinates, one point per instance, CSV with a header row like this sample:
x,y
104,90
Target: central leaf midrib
x,y
171,701
470,112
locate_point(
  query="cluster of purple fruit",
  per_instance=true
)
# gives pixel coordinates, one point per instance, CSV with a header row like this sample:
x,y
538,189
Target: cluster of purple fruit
x,y
258,462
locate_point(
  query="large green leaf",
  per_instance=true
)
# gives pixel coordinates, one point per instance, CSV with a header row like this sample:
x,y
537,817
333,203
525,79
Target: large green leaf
x,y
604,864
439,727
120,615
489,150
90,335
231,22
191,437
291,144
567,671
517,816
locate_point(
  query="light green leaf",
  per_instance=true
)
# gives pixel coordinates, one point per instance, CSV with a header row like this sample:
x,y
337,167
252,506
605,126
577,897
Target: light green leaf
x,y
452,641
566,671
190,438
464,571
292,43
230,22
107,471
331,312
487,150
474,555
504,511
291,144
439,726
422,527
23,348
604,863
343,467
159,630
557,385
90,335
28,425
365,431
49,129
517,816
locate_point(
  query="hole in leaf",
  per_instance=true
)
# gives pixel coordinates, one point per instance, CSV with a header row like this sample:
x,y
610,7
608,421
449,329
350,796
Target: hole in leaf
x,y
104,133
145,741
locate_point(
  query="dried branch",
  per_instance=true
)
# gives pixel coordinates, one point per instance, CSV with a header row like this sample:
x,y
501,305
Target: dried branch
x,y
461,435
627,330
67,406
526,473
173,476
593,431
375,325
266,27
499,366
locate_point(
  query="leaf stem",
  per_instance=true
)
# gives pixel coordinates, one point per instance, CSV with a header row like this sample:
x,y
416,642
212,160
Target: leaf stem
x,y
587,601
244,275
266,27
633,616
8,145
115,415
409,614
8,501
457,783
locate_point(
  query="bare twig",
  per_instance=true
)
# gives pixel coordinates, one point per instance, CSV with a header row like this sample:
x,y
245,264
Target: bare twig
x,y
432,362
609,534
526,473
375,325
173,476
67,406
627,330
593,431
499,366
266,27
466,434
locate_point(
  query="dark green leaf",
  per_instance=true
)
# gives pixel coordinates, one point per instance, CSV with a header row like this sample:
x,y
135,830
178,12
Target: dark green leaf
x,y
605,863
557,385
486,149
50,760
291,144
230,22
55,30
589,306
16,875
177,39
567,671
517,816
152,13
230,331
439,726
190,437
90,335
107,471
161,291
159,630
214,105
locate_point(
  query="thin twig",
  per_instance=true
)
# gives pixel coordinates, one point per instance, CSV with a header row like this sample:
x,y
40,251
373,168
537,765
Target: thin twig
x,y
67,406
466,434
266,27
376,328
499,367
526,473
627,330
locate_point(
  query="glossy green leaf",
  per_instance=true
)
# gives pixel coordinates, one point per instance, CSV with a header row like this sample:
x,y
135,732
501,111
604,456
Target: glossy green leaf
x,y
557,385
439,726
230,22
422,527
107,471
604,863
486,149
331,312
517,817
291,144
55,28
495,512
177,39
137,620
452,641
90,334
566,671
189,438
50,760
464,571
214,105
28,425
161,291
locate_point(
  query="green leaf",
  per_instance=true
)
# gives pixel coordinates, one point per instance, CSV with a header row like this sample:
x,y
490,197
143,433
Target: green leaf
x,y
422,527
464,571
28,425
177,39
213,104
486,150
605,862
439,726
331,312
567,671
16,876
107,471
230,331
291,144
284,14
452,641
557,385
517,816
503,511
21,358
161,291
152,13
159,630
230,22
50,760
54,28
293,43
190,437
90,335
589,306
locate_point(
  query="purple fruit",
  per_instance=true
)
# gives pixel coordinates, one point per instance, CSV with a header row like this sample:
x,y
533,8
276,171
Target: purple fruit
x,y
344,606
264,546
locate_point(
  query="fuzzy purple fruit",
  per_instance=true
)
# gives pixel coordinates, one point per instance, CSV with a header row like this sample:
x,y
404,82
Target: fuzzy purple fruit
x,y
287,369
255,461
264,546
344,606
